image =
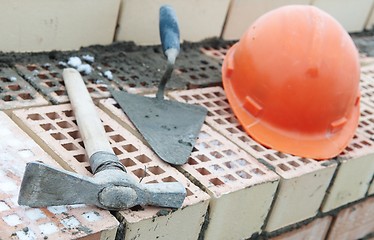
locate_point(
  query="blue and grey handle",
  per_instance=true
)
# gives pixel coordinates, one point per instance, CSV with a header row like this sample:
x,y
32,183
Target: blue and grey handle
x,y
169,34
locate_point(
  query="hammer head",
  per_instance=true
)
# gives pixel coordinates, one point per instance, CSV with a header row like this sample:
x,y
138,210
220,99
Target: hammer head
x,y
110,189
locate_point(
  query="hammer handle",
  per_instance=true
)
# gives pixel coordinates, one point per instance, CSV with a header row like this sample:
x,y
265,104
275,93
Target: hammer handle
x,y
90,126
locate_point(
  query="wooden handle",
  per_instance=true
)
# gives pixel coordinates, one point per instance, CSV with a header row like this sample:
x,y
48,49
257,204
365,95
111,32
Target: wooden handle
x,y
90,126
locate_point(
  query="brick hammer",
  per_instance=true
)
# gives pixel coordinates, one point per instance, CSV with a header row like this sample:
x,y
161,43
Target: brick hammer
x,y
111,187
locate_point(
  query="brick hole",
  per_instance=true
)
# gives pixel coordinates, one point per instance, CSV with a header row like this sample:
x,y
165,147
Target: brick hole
x,y
140,173
283,167
25,96
230,165
304,160
156,170
127,162
219,121
280,154
193,77
210,114
42,76
47,126
203,171
5,80
130,148
215,143
257,148
197,97
203,158
364,123
14,87
143,158
35,117
228,110
369,132
54,74
8,98
216,181
188,193
90,90
70,146
117,151
214,68
153,181
132,85
88,169
240,128
220,112
50,83
53,115
200,146
232,130
208,95
183,70
243,174
229,153
365,143
169,179
117,138
58,136
68,113
81,158
294,164
60,92
202,75
241,162
81,143
231,120
216,168
204,62
356,145
349,149
230,177
208,104
192,161
108,129
220,103
75,134
244,139
31,67
64,124
102,88
270,157
257,171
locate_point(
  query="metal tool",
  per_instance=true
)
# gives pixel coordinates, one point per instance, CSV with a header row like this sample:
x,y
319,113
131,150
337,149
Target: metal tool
x,y
169,127
111,187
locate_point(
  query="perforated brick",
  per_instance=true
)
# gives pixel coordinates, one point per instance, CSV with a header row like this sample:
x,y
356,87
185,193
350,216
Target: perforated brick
x,y
241,188
15,92
57,132
47,78
354,173
367,85
137,71
216,52
197,69
317,229
302,180
354,222
59,222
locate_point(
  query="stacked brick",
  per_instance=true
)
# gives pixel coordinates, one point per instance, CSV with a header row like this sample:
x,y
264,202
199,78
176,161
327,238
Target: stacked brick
x,y
236,188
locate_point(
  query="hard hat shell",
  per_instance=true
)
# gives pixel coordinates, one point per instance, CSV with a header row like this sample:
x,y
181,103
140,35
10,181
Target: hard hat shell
x,y
293,82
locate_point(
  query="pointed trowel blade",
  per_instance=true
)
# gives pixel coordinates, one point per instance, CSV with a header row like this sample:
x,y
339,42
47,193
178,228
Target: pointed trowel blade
x,y
43,186
169,127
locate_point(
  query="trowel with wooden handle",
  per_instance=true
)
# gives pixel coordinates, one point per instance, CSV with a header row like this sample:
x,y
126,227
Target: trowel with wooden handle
x,y
169,127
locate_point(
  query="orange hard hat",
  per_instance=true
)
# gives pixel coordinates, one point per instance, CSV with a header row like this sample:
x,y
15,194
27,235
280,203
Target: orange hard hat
x,y
293,82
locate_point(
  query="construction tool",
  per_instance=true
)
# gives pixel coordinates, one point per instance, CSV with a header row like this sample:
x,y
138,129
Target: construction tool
x,y
111,187
169,127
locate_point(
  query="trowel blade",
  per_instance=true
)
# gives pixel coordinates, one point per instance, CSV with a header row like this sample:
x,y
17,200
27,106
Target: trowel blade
x,y
169,127
43,186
